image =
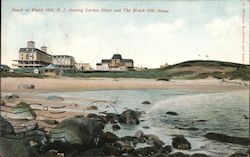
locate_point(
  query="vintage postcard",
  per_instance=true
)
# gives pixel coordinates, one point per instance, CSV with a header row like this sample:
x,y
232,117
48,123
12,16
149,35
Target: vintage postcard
x,y
134,78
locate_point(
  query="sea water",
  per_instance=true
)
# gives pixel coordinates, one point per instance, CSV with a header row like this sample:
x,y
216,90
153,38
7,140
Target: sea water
x,y
218,112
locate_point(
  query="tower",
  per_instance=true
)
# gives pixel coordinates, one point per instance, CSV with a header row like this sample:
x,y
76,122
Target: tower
x,y
30,44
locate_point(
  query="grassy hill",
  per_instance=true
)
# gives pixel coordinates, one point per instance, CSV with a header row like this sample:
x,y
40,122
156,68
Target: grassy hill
x,y
196,69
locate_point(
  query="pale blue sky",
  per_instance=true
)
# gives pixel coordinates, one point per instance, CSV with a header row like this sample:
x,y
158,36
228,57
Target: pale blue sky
x,y
189,29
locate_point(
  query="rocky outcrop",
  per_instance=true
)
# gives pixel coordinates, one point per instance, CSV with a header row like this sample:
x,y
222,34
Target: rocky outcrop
x,y
228,139
80,133
180,142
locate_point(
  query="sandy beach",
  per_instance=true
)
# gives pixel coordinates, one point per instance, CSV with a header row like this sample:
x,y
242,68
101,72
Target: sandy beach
x,y
78,84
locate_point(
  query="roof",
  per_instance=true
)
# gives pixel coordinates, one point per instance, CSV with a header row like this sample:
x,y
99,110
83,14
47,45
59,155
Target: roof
x,y
117,56
63,56
31,42
4,66
44,46
106,61
34,49
127,60
51,67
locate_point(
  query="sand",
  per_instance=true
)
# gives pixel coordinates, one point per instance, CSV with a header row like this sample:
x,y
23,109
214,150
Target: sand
x,y
78,84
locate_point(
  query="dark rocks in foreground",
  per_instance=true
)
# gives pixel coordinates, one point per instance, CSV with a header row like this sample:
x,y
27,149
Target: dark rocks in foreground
x,y
129,117
180,142
228,139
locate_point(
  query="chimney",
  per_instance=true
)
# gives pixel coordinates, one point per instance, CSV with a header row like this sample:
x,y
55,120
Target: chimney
x,y
31,44
44,48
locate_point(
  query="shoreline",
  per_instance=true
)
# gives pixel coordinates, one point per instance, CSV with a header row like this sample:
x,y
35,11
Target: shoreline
x,y
66,84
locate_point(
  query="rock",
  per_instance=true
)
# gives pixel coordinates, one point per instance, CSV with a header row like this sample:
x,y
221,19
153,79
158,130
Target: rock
x,y
167,149
129,117
55,98
92,108
146,151
245,117
201,120
112,150
11,96
116,127
91,152
172,113
125,147
92,115
187,128
146,102
139,134
80,132
145,127
5,127
180,142
178,154
29,144
109,137
128,138
51,121
26,86
20,111
239,154
111,117
11,147
227,139
199,155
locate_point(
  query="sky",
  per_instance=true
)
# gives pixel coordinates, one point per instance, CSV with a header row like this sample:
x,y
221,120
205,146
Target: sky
x,y
187,30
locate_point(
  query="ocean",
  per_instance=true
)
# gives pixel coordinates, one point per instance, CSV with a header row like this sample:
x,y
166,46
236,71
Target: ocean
x,y
202,111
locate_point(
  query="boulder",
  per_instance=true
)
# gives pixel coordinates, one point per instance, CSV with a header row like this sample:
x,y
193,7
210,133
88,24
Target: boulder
x,y
110,138
26,86
180,142
5,127
11,96
20,111
146,151
167,149
172,113
129,117
228,139
32,143
79,132
139,134
55,98
146,102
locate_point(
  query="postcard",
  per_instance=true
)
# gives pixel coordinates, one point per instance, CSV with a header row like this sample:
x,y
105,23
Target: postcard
x,y
90,78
